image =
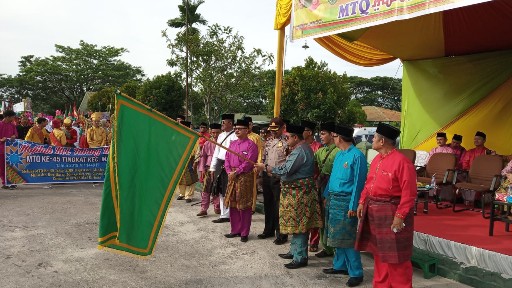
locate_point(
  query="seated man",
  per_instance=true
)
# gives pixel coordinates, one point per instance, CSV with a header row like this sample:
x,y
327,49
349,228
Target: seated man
x,y
441,145
458,149
480,149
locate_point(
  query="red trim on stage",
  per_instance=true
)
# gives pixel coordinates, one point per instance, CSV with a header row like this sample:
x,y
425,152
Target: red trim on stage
x,y
465,227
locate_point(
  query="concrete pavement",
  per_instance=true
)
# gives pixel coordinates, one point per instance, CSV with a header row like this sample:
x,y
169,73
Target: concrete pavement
x,y
48,239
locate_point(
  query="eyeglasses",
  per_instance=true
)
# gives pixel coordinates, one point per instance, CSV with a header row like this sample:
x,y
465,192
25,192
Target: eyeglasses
x,y
238,128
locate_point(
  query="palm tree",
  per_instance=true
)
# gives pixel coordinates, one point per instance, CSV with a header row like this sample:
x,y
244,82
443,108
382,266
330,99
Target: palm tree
x,y
186,21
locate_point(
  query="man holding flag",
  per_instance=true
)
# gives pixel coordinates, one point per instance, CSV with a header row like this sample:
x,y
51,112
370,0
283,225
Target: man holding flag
x,y
239,194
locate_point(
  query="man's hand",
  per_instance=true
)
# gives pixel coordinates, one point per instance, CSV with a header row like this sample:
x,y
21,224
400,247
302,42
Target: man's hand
x,y
3,139
359,211
398,224
351,213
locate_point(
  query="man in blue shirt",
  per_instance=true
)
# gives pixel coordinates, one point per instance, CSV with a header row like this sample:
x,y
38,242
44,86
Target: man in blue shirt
x,y
342,194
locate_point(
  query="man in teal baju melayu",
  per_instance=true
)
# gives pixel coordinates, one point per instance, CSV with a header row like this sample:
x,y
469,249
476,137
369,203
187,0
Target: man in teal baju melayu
x,y
342,195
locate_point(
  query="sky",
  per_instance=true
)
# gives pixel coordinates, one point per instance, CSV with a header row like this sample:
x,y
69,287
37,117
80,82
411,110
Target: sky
x,y
33,27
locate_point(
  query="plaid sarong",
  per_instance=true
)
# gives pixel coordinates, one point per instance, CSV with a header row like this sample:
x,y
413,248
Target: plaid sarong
x,y
239,193
299,210
374,232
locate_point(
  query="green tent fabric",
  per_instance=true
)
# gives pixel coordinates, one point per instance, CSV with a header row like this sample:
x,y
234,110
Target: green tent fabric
x,y
148,155
460,83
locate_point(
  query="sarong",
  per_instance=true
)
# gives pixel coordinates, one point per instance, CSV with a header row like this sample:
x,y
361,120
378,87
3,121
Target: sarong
x,y
299,210
374,232
239,192
189,175
341,229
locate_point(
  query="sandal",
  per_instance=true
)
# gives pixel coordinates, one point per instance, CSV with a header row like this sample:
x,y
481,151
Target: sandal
x,y
313,248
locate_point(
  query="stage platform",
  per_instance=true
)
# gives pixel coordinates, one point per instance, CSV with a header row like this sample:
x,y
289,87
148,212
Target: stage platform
x,y
464,238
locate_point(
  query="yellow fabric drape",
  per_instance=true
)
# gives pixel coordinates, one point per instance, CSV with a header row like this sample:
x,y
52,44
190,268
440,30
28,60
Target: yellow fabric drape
x,y
354,52
283,13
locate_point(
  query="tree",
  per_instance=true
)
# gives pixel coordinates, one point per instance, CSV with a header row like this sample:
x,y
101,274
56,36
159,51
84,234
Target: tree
x,y
163,93
60,80
223,70
314,92
377,91
186,21
103,100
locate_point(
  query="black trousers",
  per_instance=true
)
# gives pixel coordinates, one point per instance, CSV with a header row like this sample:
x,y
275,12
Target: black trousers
x,y
271,196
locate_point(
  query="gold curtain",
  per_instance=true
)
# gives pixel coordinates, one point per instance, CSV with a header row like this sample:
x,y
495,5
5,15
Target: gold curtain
x,y
283,14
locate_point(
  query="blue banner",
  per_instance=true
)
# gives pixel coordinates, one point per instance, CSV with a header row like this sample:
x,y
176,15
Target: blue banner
x,y
32,163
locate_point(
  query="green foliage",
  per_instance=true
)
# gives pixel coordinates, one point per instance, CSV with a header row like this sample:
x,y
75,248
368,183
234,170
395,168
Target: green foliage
x,y
60,80
314,92
130,88
163,93
377,91
224,74
188,17
103,100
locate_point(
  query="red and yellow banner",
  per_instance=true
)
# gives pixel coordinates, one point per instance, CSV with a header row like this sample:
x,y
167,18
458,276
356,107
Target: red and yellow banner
x,y
316,18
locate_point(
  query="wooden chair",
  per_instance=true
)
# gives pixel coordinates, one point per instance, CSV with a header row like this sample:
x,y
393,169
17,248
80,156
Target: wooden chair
x,y
442,167
409,153
483,179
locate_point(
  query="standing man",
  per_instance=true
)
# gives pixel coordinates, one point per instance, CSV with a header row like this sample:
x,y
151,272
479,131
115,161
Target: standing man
x,y
203,130
189,179
96,135
441,146
7,131
255,138
299,210
239,193
71,133
38,133
275,155
23,127
57,136
479,149
205,160
386,223
217,165
324,159
342,195
309,132
458,149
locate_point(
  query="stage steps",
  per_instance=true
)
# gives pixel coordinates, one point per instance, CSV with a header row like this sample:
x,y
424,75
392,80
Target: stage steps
x,y
469,275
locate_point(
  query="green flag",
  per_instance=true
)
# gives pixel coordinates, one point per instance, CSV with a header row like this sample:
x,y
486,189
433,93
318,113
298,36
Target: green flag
x,y
148,155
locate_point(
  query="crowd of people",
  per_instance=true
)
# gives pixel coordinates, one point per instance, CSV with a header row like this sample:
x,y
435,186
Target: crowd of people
x,y
63,132
313,193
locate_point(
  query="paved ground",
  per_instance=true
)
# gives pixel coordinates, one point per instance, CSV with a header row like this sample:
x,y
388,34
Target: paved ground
x,y
48,239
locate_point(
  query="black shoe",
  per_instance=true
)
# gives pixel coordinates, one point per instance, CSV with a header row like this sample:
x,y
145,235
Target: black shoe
x,y
334,271
220,220
354,281
280,241
264,235
230,235
323,254
286,256
13,186
188,200
244,238
6,187
180,197
295,265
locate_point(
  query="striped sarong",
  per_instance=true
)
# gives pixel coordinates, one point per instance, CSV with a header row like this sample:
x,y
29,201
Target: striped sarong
x,y
299,210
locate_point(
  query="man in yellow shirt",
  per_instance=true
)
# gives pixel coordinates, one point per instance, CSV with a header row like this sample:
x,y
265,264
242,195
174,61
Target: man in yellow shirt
x,y
38,133
96,135
57,137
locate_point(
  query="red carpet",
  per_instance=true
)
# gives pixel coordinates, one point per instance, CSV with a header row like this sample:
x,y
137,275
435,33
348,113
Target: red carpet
x,y
465,227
